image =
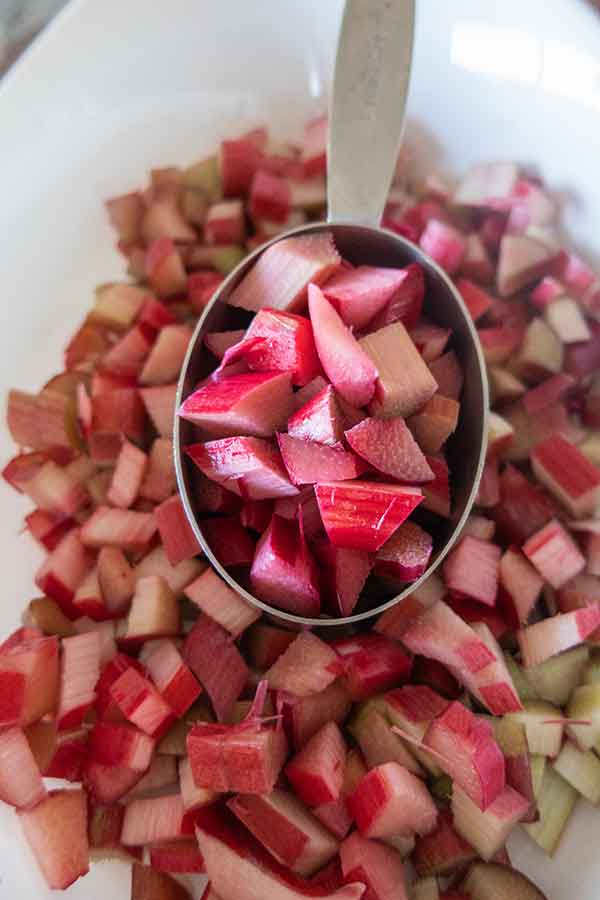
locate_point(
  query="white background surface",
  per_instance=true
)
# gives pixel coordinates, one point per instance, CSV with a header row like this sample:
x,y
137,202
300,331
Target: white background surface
x,y
118,86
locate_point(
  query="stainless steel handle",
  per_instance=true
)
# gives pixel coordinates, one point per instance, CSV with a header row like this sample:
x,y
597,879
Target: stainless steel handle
x,y
370,86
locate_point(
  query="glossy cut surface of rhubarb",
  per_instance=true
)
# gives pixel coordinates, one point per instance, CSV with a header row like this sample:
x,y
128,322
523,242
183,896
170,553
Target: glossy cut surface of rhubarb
x,y
359,294
320,419
363,515
283,571
389,446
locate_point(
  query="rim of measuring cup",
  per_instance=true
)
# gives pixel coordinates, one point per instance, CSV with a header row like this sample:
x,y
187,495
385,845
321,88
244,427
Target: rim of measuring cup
x,y
196,346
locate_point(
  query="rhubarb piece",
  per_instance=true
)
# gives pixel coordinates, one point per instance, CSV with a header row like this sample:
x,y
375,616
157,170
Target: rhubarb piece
x,y
316,772
308,666
215,660
256,514
286,829
359,294
104,832
314,147
556,801
288,346
440,634
378,867
320,419
218,342
523,508
405,383
448,374
521,260
179,857
88,599
520,586
52,488
280,277
124,528
56,831
304,716
21,783
477,300
224,223
48,528
238,866
245,758
471,570
505,387
371,663
175,531
270,197
562,468
166,357
171,675
565,318
492,685
444,851
479,527
580,769
411,709
283,571
148,884
160,406
444,244
193,796
177,577
465,749
164,267
388,446
579,593
406,303
221,603
544,639
396,620
247,466
29,679
154,611
116,579
363,515
429,339
343,576
544,727
257,403
487,831
141,703
347,366
555,679
390,800
554,554
64,569
308,462
498,343
127,357
127,477
149,820
425,889
121,745
540,354
512,740
486,183
378,742
80,669
46,614
484,881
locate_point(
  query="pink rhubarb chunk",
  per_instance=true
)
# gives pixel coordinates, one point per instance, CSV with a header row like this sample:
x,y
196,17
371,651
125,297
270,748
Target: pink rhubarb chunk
x,y
283,571
389,801
308,462
281,275
554,554
544,639
347,366
471,570
359,294
308,666
363,515
258,404
317,772
406,555
343,575
320,419
388,445
405,383
563,469
248,466
288,345
440,634
216,662
375,865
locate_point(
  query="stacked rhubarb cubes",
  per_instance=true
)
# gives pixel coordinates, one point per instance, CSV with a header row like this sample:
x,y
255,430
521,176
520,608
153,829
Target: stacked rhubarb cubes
x,y
331,421
194,737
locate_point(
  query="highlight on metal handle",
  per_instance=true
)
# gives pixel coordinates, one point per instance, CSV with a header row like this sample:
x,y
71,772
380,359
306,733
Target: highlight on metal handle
x,y
370,87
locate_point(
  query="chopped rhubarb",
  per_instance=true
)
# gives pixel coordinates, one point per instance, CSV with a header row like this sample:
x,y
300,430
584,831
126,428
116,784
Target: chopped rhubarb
x,y
346,364
554,554
21,783
520,586
80,670
288,346
466,750
166,357
116,579
286,829
523,508
283,571
521,260
308,462
141,703
64,569
444,244
56,831
406,303
390,800
179,857
177,577
149,820
444,851
265,643
248,466
306,667
363,515
147,884
434,423
487,831
343,576
562,468
388,445
171,675
29,678
304,716
448,374
215,598
360,294
405,383
320,419
372,663
471,570
128,476
280,277
411,709
316,772
124,528
476,299
405,556
154,611
159,403
216,662
375,865
544,639
175,531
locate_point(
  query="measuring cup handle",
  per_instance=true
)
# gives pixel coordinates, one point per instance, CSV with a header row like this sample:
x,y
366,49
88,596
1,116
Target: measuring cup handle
x,y
370,87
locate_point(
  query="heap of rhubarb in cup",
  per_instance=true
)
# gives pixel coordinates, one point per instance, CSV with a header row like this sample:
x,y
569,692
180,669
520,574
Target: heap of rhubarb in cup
x,y
325,416
195,736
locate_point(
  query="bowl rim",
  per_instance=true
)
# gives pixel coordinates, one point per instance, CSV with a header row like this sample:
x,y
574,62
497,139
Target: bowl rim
x,y
178,449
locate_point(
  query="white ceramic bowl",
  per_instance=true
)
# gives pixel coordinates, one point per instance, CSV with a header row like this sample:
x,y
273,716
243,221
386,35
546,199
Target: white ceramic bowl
x,y
114,87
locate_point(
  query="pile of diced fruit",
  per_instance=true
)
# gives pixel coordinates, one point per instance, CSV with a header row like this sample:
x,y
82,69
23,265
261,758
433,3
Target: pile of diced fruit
x,y
202,738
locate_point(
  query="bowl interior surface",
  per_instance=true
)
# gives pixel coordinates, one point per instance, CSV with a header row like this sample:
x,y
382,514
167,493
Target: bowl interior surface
x,y
465,450
113,89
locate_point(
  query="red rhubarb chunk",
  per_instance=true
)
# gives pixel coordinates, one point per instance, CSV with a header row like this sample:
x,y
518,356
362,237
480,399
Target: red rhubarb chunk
x,y
317,771
359,294
320,419
287,345
562,468
361,515
406,555
389,801
554,554
406,303
257,404
216,662
283,571
388,445
308,462
343,576
347,366
372,663
247,466
228,540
